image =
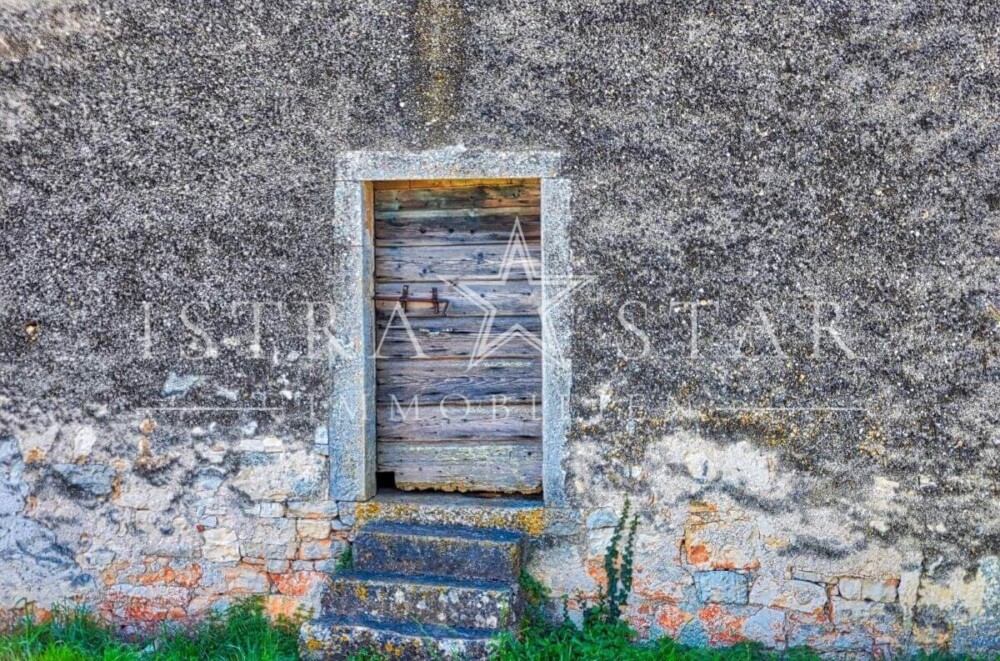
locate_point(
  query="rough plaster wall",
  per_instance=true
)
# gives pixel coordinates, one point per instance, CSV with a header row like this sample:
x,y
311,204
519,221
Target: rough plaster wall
x,y
772,153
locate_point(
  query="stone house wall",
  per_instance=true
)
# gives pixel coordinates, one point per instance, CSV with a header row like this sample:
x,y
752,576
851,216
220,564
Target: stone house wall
x,y
817,184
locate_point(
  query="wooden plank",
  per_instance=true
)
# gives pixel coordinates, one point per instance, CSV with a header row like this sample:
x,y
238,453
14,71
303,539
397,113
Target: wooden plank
x,y
480,197
450,183
428,263
515,381
439,337
455,423
450,229
524,203
420,214
468,190
502,466
510,298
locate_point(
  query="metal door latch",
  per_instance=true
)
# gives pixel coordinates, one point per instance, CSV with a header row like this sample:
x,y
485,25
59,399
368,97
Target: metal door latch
x,y
440,305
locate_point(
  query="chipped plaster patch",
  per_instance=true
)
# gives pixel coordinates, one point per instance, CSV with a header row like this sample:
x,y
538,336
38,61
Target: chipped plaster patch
x,y
954,592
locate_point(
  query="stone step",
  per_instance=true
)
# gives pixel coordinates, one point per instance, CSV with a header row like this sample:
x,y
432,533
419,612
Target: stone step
x,y
526,515
486,554
340,637
426,600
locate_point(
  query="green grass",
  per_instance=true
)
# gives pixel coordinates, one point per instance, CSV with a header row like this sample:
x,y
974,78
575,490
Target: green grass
x,y
603,641
345,561
607,639
243,633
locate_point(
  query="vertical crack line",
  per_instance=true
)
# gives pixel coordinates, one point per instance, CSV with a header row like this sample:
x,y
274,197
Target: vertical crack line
x,y
438,29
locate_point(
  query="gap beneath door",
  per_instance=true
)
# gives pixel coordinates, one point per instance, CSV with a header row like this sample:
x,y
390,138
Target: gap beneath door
x,y
437,498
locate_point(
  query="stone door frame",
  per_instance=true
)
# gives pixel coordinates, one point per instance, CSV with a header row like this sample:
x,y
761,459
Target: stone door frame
x,y
351,423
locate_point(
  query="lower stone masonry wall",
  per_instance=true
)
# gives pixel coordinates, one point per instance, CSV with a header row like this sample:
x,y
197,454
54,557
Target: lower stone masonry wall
x,y
148,533
149,525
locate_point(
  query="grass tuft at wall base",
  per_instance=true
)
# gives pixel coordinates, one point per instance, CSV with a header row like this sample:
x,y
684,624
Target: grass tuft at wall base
x,y
243,632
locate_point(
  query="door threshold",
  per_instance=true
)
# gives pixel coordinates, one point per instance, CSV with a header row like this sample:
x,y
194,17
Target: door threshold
x,y
520,513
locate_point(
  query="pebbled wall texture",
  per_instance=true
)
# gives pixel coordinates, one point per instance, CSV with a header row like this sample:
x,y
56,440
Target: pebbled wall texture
x,y
818,183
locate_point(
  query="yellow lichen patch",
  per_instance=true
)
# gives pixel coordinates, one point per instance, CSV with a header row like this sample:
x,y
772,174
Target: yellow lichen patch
x,y
375,511
530,520
364,512
393,650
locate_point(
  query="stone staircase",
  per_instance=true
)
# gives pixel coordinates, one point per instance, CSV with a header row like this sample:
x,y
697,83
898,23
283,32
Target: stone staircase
x,y
420,592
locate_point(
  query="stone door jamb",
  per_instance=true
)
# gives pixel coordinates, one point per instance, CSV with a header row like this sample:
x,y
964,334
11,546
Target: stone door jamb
x,y
351,423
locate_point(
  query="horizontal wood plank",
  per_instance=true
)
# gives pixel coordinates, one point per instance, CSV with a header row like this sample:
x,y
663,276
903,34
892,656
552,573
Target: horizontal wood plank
x,y
479,197
428,263
502,466
510,298
432,381
455,423
438,337
450,229
421,214
404,184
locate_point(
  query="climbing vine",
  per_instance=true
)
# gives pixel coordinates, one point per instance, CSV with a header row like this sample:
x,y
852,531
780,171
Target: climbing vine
x,y
618,563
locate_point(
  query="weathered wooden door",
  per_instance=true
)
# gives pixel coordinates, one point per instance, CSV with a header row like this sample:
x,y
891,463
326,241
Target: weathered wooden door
x,y
458,366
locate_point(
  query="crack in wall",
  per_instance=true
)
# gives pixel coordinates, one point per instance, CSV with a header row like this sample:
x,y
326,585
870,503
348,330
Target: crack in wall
x,y
438,30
